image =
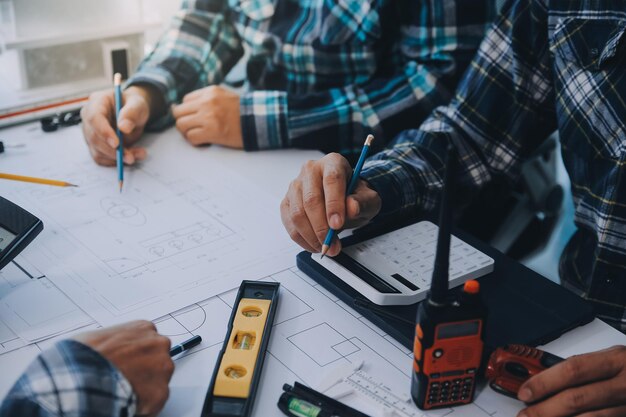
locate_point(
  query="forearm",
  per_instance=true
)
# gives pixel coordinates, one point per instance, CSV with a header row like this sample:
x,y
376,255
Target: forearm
x,y
338,120
503,109
198,49
70,379
423,57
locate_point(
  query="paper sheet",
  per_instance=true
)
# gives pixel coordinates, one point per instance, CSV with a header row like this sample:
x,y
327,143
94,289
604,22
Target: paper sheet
x,y
186,227
38,310
32,308
313,334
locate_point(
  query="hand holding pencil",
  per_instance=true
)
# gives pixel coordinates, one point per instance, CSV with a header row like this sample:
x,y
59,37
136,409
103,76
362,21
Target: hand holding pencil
x,y
317,200
330,235
99,128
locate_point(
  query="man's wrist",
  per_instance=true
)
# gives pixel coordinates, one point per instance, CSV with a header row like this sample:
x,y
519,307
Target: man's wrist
x,y
381,177
152,97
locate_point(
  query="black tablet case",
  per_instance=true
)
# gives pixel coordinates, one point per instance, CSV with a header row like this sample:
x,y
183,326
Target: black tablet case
x,y
524,307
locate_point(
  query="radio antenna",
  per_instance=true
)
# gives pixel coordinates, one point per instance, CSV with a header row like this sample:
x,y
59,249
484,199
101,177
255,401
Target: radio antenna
x,y
439,284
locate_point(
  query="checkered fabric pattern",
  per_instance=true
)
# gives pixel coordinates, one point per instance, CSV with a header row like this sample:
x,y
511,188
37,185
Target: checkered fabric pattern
x,y
321,74
70,380
544,65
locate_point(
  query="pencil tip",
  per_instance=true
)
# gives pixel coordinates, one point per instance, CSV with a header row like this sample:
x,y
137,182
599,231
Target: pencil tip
x,y
121,185
325,249
369,140
71,185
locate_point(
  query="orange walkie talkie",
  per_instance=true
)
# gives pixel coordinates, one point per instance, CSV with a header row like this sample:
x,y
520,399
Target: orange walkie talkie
x,y
449,332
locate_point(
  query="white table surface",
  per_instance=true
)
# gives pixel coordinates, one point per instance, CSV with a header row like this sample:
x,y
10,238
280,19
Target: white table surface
x,y
193,372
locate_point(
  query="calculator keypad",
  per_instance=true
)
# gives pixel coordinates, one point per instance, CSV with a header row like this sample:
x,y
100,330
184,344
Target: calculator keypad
x,y
410,253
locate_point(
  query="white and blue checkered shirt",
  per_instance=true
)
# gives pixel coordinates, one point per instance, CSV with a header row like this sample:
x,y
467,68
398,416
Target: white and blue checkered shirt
x,y
321,74
70,380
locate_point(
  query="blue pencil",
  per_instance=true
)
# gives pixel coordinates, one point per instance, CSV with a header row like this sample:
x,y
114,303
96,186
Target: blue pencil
x,y
117,81
355,178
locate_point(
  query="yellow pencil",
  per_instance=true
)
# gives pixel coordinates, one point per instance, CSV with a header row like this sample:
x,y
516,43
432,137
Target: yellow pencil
x,y
36,180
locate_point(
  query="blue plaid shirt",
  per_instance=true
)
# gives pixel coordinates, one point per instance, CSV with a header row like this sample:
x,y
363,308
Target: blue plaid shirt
x,y
70,380
321,74
545,65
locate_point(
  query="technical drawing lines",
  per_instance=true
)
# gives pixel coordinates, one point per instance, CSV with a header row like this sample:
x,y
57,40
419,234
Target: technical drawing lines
x,y
172,327
207,319
317,343
177,241
123,211
123,265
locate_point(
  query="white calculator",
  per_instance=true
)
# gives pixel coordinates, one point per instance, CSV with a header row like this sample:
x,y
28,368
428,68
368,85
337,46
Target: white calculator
x,y
396,268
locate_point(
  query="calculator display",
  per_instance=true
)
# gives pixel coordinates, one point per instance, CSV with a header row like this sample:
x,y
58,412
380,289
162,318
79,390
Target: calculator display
x,y
6,238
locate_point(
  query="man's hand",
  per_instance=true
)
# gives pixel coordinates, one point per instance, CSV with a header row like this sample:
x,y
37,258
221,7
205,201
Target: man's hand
x,y
142,355
316,199
210,116
591,385
99,124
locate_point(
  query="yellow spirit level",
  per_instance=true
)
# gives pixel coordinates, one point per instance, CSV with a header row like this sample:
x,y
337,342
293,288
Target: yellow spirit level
x,y
238,370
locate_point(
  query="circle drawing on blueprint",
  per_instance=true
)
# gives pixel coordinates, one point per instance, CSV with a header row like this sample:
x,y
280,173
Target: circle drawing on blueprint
x,y
157,251
122,211
177,244
191,320
195,237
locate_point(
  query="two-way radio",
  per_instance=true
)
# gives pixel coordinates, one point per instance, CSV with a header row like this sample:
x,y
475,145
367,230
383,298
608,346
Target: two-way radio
x,y
449,333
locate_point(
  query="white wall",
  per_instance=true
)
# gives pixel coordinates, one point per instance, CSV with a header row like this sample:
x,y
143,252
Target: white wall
x,y
34,18
44,19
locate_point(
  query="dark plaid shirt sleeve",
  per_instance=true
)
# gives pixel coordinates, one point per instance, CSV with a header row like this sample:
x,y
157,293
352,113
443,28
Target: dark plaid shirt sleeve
x,y
72,380
544,65
503,108
199,47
